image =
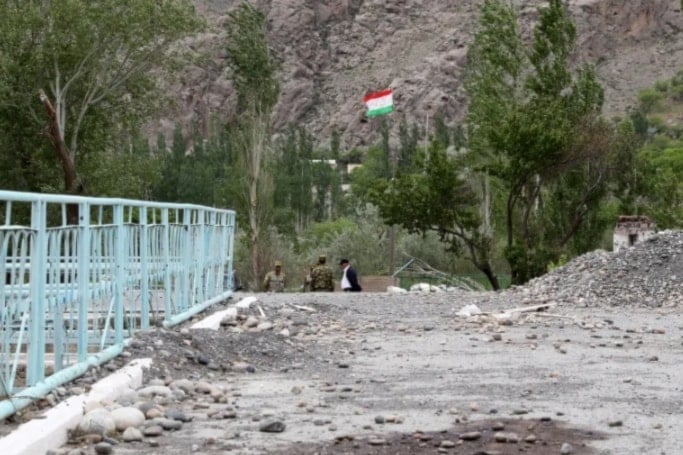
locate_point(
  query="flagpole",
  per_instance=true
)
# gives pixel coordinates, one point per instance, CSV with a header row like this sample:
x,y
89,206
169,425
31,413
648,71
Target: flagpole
x,y
392,231
393,164
427,130
379,104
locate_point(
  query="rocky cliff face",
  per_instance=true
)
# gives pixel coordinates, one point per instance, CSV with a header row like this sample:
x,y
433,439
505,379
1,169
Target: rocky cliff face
x,y
334,51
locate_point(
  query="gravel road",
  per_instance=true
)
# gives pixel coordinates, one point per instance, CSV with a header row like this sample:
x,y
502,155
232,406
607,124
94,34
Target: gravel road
x,y
383,373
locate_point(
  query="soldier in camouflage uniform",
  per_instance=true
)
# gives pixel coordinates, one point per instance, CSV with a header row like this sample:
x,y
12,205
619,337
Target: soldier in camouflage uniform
x,y
275,280
321,277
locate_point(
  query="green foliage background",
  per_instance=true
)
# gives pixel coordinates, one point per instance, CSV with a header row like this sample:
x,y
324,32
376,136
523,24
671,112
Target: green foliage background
x,y
498,193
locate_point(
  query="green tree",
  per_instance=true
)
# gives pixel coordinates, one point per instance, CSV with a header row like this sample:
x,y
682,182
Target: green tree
x,y
326,181
650,100
130,172
408,136
629,138
254,72
222,155
170,187
294,181
533,124
660,185
439,198
89,63
375,167
361,237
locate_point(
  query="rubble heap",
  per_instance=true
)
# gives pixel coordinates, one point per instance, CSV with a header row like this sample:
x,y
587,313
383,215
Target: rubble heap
x,y
649,274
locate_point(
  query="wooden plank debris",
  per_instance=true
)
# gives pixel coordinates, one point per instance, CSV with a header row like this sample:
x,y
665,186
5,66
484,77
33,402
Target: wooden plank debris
x,y
304,308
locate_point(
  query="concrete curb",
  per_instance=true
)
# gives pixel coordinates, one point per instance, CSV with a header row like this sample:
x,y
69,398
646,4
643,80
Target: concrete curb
x,y
213,321
50,432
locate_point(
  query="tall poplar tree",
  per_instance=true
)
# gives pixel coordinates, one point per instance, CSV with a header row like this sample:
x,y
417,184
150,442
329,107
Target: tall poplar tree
x,y
294,180
254,73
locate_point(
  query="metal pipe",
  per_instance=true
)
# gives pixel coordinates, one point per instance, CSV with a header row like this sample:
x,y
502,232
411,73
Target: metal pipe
x,y
18,196
35,370
29,395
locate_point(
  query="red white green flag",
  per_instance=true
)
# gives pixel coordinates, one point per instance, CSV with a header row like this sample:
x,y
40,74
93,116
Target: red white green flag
x,y
379,103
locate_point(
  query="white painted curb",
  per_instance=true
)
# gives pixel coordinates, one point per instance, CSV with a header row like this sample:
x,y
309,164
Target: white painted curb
x,y
246,302
213,321
50,432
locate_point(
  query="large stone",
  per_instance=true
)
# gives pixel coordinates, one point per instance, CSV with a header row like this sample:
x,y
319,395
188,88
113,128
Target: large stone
x,y
127,398
97,421
265,325
204,387
104,448
132,434
154,390
396,290
127,417
168,424
185,385
251,322
272,426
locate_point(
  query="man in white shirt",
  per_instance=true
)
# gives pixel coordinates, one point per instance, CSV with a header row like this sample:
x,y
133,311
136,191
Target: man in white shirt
x,y
349,282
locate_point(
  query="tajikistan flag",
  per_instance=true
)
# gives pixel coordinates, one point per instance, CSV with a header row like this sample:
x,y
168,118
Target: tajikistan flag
x,y
379,103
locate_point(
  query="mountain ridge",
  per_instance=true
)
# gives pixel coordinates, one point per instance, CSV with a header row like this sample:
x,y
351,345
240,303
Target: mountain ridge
x,y
332,52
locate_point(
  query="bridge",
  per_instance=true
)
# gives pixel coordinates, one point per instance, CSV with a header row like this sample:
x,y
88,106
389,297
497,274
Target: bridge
x,y
73,293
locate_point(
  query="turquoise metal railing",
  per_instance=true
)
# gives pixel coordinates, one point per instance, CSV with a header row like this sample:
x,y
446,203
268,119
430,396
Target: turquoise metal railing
x,y
71,294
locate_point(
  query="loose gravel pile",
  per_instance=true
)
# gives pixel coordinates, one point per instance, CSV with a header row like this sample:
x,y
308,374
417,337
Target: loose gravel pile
x,y
649,274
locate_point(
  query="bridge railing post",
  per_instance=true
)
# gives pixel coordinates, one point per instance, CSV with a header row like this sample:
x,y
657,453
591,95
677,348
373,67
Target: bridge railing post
x,y
84,260
36,355
144,269
165,254
120,263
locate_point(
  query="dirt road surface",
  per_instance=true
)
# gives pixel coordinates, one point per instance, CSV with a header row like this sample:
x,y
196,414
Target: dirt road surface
x,y
404,374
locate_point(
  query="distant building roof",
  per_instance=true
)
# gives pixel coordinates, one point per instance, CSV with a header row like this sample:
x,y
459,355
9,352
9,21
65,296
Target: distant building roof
x,y
634,219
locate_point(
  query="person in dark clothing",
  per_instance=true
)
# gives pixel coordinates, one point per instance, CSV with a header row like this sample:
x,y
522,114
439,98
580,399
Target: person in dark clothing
x,y
322,279
349,282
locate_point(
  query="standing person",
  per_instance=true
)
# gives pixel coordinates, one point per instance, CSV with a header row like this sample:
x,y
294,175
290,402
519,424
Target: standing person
x,y
275,280
321,276
349,282
307,280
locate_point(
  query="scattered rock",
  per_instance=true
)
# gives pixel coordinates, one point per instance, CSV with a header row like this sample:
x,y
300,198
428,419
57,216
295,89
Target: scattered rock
x,y
470,436
127,417
97,421
131,435
103,448
273,426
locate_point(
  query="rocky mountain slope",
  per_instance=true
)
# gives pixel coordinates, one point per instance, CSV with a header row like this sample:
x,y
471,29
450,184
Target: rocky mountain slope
x,y
334,51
